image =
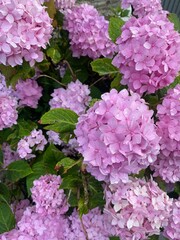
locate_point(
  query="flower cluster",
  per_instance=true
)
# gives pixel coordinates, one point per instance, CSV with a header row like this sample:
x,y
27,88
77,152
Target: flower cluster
x,y
47,195
63,5
75,97
168,166
19,207
8,105
88,32
42,227
25,28
44,221
35,140
9,155
53,137
117,136
143,7
96,225
148,56
28,92
138,209
172,231
35,226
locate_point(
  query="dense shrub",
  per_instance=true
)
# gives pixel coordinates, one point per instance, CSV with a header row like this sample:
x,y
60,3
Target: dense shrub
x,y
89,121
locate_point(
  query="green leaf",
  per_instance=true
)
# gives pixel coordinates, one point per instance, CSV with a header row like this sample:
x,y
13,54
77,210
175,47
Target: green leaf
x,y
82,207
54,54
7,71
103,66
45,164
115,25
23,71
67,78
174,19
116,83
176,81
154,237
44,65
93,101
95,92
72,197
139,175
4,191
1,157
17,170
114,238
59,18
4,134
60,120
96,194
177,187
7,220
67,163
71,181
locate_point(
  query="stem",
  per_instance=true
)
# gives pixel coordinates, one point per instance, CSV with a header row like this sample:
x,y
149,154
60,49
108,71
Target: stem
x,y
85,187
52,79
94,83
84,229
70,69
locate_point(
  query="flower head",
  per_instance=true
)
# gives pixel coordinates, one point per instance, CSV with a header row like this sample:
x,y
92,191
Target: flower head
x,y
8,105
138,209
25,28
28,93
47,195
149,50
75,97
9,155
88,32
172,231
35,140
117,136
63,5
168,127
96,224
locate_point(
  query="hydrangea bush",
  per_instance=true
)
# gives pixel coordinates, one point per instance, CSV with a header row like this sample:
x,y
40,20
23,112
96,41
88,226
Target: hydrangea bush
x,y
89,121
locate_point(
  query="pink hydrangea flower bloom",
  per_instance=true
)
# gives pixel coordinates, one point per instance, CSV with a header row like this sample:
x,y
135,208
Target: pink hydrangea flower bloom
x,y
19,208
143,7
148,56
88,32
42,226
96,224
25,28
8,105
35,139
16,235
138,209
168,164
28,92
63,5
53,137
9,155
47,195
35,226
172,231
117,136
75,97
